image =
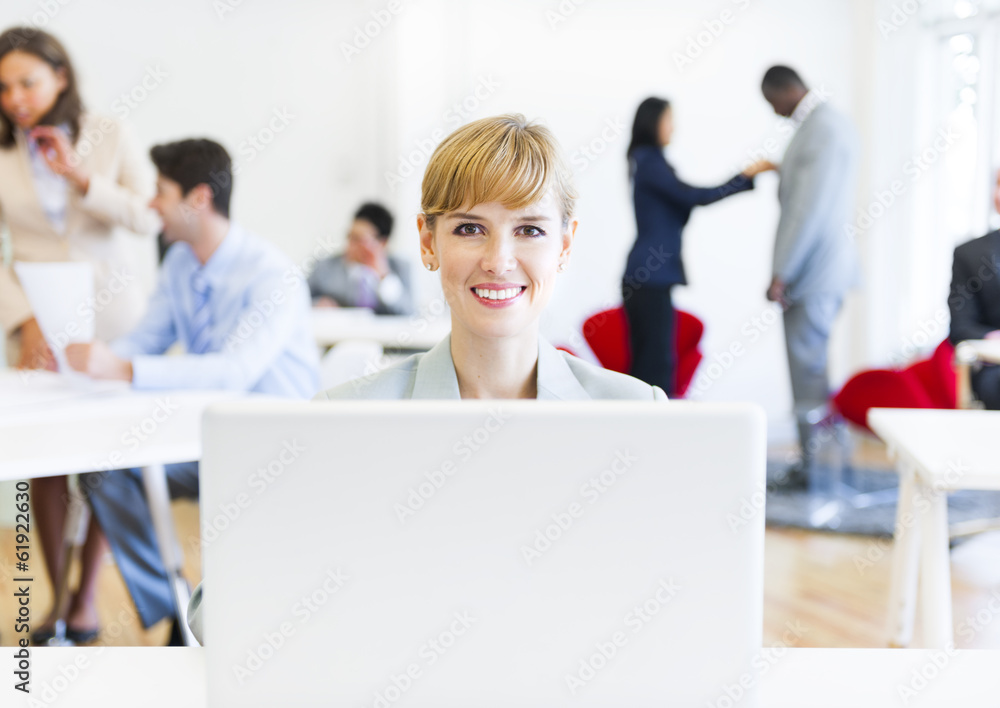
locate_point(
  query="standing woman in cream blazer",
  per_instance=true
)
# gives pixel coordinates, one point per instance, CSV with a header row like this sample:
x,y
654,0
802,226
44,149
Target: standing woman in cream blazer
x,y
68,182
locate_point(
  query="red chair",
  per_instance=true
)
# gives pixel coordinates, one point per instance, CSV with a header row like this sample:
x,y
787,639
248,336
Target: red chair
x,y
925,384
607,334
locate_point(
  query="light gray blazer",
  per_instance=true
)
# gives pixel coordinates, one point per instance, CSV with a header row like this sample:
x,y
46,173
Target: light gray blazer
x,y
813,253
561,377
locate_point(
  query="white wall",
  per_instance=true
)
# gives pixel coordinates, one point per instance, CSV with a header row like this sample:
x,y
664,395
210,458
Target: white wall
x,y
579,66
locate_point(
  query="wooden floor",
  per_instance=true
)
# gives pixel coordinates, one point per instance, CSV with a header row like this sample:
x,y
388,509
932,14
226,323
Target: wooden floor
x,y
816,592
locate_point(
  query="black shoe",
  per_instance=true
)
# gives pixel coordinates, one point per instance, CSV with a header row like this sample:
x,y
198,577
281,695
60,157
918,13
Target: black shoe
x,y
81,636
793,479
176,635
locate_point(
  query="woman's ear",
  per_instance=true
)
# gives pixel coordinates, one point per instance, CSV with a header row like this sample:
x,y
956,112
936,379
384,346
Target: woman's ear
x,y
427,253
569,233
61,79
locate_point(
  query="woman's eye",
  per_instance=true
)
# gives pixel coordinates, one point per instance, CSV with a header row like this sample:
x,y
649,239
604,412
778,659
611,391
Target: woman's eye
x,y
532,231
468,229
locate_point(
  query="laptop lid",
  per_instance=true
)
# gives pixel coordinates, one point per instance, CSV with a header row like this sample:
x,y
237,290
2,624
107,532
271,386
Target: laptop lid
x,y
473,553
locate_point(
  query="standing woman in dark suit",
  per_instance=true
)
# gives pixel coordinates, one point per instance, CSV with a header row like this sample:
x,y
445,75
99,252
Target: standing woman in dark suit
x,y
663,204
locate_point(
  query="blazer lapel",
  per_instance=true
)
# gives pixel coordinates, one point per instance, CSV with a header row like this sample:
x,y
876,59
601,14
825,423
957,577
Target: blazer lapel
x,y
435,377
556,381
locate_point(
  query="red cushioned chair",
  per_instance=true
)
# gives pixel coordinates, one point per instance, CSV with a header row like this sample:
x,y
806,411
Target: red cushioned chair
x,y
929,383
607,334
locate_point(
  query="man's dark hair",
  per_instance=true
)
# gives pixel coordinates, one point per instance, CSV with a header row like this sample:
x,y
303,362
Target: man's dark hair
x,y
780,78
378,216
197,161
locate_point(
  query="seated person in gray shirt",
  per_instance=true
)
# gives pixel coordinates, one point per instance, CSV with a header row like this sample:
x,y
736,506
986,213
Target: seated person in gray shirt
x,y
365,275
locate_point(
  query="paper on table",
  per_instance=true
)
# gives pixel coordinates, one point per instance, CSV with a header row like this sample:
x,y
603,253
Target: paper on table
x,y
57,293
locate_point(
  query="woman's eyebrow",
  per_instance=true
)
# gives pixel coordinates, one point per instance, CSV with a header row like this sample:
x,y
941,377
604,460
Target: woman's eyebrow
x,y
460,215
534,218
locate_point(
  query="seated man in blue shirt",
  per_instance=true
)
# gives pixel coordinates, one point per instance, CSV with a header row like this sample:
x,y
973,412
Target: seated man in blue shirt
x,y
365,275
233,301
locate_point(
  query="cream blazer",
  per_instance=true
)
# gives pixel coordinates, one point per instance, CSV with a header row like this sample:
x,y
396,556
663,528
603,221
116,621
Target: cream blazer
x,y
97,226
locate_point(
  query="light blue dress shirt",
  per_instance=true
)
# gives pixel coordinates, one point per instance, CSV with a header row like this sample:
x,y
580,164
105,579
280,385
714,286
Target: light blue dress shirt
x,y
260,328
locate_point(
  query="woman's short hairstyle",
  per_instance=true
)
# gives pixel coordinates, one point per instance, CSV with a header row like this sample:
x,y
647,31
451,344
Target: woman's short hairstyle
x,y
502,159
68,107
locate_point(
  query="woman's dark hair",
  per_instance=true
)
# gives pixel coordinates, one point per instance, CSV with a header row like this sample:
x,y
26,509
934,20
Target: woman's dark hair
x,y
646,126
197,161
68,106
378,216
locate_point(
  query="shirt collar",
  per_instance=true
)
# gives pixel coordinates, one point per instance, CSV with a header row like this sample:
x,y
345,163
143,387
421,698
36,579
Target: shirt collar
x,y
436,378
809,103
218,269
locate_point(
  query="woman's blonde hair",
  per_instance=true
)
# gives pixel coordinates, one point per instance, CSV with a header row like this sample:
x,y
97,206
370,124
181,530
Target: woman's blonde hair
x,y
502,159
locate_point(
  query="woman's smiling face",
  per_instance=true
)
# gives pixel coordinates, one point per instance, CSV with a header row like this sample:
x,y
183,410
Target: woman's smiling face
x,y
498,265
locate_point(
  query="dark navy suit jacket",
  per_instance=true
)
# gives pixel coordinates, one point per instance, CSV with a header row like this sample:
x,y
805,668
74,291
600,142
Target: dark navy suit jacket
x,y
663,205
975,288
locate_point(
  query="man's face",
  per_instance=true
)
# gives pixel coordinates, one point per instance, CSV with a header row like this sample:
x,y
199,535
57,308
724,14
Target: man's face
x,y
783,101
363,242
176,211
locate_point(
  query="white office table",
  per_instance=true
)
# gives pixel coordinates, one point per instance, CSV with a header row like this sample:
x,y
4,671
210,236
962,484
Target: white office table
x,y
52,425
333,325
936,451
155,677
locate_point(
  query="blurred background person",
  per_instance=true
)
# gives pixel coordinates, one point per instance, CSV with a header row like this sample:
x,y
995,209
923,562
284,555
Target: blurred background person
x,y
365,274
663,205
59,203
815,262
68,181
974,303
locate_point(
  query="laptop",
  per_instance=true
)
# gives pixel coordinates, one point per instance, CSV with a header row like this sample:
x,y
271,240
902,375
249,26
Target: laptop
x,y
482,553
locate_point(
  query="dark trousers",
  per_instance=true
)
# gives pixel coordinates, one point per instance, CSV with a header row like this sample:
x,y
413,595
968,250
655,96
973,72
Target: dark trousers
x,y
119,503
650,314
986,385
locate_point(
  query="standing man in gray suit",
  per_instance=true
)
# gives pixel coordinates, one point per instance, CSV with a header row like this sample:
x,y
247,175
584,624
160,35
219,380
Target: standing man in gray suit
x,y
815,262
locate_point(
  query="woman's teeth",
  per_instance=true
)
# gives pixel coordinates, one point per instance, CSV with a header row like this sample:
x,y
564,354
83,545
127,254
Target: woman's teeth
x,y
505,294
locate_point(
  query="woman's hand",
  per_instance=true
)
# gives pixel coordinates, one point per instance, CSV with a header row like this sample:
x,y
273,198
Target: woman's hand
x,y
60,156
98,361
760,166
35,352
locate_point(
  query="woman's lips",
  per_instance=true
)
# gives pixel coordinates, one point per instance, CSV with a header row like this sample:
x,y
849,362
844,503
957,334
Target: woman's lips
x,y
498,294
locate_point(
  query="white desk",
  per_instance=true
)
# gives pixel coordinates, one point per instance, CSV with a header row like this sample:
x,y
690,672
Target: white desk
x,y
50,425
936,451
421,332
801,678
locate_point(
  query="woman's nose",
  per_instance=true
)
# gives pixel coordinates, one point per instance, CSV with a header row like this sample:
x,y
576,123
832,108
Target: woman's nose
x,y
498,257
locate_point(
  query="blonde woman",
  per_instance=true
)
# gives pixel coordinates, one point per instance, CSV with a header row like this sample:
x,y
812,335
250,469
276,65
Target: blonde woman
x,y
497,222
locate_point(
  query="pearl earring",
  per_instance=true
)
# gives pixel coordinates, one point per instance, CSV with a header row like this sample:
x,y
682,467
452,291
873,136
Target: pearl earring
x,y
429,266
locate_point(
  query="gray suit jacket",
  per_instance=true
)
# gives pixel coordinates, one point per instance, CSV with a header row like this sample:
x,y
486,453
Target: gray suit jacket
x,y
431,375
330,278
813,252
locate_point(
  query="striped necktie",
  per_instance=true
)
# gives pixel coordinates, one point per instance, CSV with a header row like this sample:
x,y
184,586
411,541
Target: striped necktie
x,y
201,321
